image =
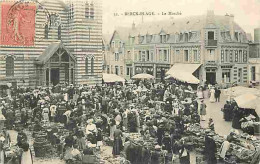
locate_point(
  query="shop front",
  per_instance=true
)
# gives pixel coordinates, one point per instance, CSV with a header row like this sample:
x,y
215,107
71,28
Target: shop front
x,y
211,73
149,69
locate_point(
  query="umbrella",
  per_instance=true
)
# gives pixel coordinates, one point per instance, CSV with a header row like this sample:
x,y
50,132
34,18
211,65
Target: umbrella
x,y
143,76
240,90
111,78
247,100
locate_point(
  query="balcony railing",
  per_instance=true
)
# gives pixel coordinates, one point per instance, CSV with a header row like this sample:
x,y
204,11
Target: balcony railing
x,y
212,43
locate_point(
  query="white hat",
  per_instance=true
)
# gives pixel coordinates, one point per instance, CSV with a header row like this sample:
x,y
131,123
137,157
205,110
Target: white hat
x,y
157,147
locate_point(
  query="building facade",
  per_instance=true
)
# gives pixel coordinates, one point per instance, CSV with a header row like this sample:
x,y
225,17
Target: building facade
x,y
254,57
63,43
214,42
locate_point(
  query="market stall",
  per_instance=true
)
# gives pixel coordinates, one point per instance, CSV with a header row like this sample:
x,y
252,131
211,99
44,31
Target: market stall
x,y
112,78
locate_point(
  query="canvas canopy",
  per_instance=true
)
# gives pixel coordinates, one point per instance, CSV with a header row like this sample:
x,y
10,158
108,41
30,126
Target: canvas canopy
x,y
111,78
184,72
143,76
240,90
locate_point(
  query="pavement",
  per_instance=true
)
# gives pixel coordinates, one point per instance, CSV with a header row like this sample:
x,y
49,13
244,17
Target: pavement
x,y
222,127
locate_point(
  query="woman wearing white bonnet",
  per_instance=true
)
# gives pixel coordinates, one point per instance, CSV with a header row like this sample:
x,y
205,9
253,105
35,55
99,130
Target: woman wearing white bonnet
x,y
224,148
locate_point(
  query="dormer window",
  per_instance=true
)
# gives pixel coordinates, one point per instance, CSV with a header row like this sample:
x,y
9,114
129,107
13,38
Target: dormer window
x,y
186,37
113,44
168,36
181,37
163,38
148,38
141,39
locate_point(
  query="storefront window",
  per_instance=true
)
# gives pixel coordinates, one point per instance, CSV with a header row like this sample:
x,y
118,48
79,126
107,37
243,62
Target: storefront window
x,y
186,55
226,76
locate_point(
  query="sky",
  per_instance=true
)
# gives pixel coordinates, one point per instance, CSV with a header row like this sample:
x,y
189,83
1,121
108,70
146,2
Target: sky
x,y
246,12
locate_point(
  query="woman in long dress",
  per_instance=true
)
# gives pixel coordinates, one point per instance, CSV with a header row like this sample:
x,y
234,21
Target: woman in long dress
x,y
212,95
26,155
117,147
202,110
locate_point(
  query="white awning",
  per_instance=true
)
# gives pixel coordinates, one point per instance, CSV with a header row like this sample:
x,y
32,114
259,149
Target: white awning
x,y
248,101
111,78
184,72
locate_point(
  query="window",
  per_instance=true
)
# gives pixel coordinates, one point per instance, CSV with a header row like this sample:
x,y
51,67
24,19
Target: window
x,y
116,56
92,65
141,39
86,65
113,44
108,69
121,70
65,57
91,16
147,56
211,35
186,55
226,59
240,56
71,11
116,70
143,56
211,52
127,71
165,55
226,75
186,37
87,11
160,55
46,31
253,73
195,55
181,37
59,32
151,55
163,38
140,56
54,58
9,66
236,36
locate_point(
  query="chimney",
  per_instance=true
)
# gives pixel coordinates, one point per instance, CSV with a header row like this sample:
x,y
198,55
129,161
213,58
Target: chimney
x,y
257,35
231,26
133,26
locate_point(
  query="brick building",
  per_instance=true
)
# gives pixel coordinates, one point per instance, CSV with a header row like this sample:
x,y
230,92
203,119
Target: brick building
x,y
66,45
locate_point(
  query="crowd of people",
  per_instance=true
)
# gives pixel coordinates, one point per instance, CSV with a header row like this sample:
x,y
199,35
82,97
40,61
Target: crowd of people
x,y
107,114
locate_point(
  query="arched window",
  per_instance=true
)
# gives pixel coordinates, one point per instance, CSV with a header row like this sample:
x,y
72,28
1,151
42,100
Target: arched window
x,y
91,14
54,58
46,31
87,10
65,57
59,32
92,65
86,65
71,11
9,66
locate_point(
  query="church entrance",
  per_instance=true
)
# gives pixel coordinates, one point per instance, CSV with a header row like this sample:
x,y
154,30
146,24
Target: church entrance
x,y
55,66
55,76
